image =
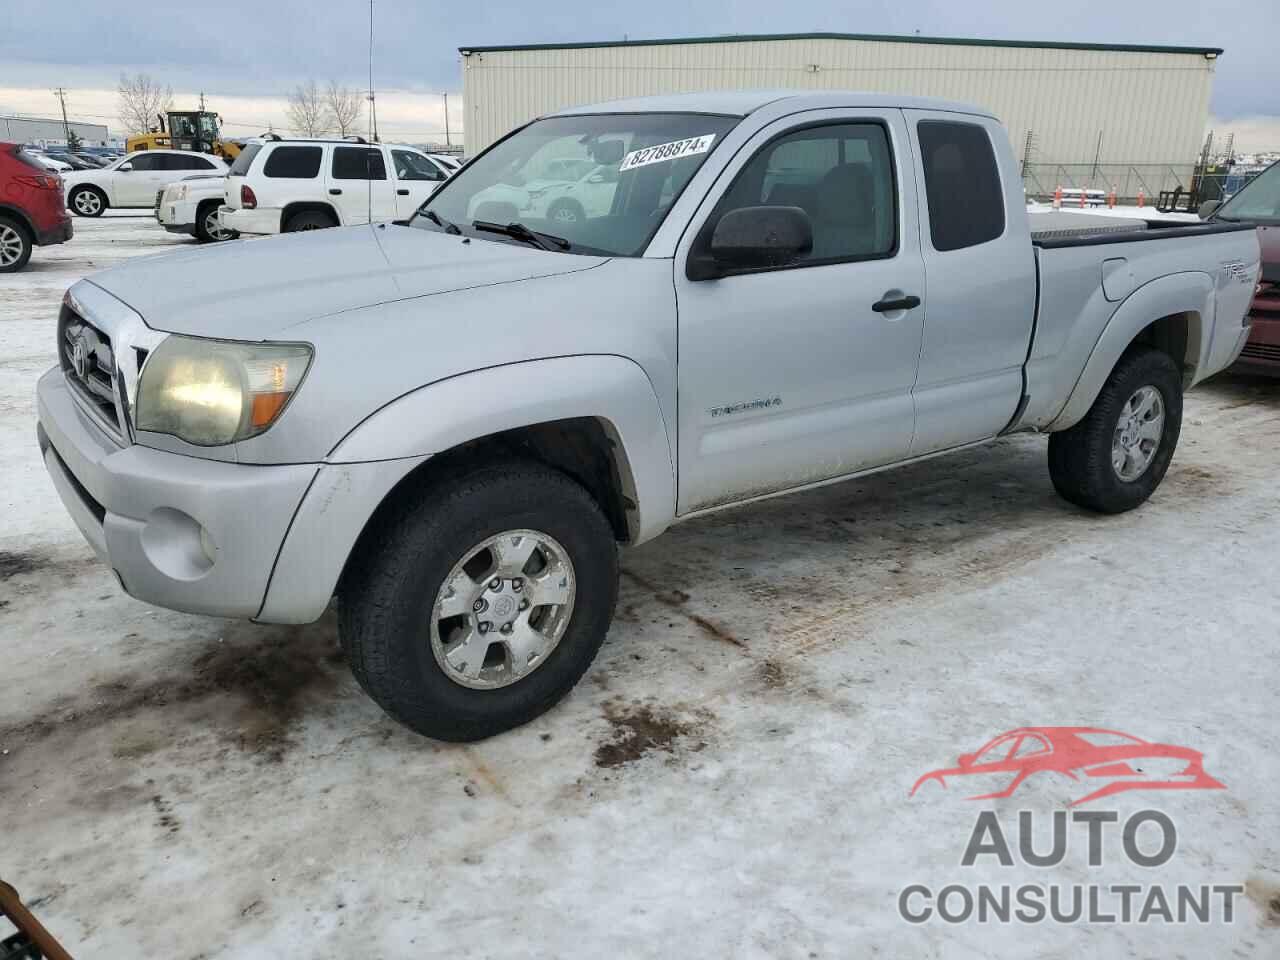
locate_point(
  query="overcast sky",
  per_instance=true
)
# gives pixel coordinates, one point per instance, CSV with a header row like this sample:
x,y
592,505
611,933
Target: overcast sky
x,y
247,54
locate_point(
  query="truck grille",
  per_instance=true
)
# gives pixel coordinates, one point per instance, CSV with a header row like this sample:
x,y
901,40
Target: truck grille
x,y
1262,351
89,365
159,197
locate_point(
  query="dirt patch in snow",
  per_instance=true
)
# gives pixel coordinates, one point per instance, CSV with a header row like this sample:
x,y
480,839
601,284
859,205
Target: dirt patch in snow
x,y
17,564
1266,896
249,687
676,599
639,729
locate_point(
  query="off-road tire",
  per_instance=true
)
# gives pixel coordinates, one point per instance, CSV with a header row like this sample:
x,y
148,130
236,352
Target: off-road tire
x,y
15,234
102,197
388,590
309,220
1080,457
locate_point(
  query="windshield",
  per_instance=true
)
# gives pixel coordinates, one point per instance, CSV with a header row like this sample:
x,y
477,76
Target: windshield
x,y
1259,200
604,183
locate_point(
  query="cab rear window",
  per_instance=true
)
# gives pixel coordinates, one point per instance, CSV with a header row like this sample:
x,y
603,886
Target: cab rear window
x,y
293,163
245,160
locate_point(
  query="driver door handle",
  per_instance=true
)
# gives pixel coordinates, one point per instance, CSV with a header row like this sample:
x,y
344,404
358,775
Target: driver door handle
x,y
403,192
335,192
909,302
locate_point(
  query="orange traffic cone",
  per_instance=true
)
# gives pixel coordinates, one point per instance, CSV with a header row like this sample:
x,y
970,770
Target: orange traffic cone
x,y
1057,198
1111,198
1142,197
1083,196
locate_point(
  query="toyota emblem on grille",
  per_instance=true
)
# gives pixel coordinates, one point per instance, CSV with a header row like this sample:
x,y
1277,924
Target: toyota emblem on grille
x,y
80,357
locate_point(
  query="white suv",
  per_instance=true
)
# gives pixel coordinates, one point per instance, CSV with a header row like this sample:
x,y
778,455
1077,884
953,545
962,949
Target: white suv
x,y
278,186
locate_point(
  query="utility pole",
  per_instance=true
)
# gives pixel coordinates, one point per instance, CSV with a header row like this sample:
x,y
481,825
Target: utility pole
x,y
62,98
202,101
447,141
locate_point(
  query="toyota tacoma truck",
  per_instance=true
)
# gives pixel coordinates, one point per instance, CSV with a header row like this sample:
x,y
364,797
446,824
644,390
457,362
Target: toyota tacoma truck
x,y
450,424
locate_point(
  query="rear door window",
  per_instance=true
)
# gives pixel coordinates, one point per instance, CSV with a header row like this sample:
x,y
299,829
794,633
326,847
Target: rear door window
x,y
358,163
146,161
293,163
962,184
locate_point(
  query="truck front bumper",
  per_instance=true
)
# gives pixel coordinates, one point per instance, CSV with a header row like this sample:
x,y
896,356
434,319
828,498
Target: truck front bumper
x,y
260,221
201,536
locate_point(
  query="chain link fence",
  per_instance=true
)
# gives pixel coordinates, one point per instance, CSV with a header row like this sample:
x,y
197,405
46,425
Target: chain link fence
x,y
1126,179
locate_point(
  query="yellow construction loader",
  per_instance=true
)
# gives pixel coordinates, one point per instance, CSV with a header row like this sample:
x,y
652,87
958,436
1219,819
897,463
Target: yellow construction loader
x,y
186,130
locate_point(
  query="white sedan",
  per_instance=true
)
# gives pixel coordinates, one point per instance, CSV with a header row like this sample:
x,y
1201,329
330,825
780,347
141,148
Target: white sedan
x,y
134,180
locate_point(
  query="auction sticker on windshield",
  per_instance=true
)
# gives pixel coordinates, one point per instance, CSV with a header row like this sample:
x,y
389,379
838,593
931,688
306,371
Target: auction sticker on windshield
x,y
666,151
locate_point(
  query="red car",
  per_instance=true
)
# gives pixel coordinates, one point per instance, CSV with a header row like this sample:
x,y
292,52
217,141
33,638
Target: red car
x,y
1084,754
1259,202
33,212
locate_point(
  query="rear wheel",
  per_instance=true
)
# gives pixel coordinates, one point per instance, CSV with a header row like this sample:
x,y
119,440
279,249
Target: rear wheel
x,y
15,245
1114,459
209,228
477,606
309,220
87,201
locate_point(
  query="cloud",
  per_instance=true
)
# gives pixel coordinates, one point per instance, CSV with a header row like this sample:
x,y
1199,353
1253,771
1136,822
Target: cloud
x,y
1252,134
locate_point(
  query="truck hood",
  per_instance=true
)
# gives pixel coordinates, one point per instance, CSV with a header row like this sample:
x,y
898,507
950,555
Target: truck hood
x,y
255,289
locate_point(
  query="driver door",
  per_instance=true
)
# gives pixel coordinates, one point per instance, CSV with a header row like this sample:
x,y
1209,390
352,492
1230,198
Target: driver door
x,y
138,186
793,375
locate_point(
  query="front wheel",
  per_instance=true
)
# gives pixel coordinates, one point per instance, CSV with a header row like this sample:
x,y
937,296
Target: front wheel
x,y
87,201
1114,459
476,606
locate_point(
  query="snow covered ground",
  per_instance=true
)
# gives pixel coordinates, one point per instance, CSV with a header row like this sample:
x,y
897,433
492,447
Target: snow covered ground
x,y
730,779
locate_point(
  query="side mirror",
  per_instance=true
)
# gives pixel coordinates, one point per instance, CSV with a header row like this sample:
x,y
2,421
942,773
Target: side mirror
x,y
752,238
1208,209
966,759
124,167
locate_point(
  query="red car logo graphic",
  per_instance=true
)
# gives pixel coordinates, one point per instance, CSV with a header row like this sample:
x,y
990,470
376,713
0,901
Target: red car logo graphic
x,y
1089,755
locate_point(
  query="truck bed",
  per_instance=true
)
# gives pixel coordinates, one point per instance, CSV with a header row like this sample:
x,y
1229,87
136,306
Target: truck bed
x,y
1065,229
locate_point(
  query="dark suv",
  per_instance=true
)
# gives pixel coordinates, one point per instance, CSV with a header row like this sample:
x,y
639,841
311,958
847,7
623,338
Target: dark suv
x,y
1259,202
32,210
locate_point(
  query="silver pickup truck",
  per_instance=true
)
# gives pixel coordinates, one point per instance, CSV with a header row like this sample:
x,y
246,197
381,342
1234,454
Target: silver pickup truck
x,y
452,423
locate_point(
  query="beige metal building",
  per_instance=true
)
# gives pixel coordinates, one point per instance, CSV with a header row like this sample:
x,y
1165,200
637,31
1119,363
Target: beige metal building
x,y
1122,105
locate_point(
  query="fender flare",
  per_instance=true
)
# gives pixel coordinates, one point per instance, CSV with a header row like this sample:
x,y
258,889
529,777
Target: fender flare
x,y
613,389
1190,293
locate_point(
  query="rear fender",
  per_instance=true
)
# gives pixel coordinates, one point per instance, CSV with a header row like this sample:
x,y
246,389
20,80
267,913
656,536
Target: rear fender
x,y
1190,294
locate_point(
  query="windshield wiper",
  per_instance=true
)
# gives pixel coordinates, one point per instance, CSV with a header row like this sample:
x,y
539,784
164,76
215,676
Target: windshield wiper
x,y
518,231
440,221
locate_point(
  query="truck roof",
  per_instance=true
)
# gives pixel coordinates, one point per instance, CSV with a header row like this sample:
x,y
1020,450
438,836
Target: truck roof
x,y
740,103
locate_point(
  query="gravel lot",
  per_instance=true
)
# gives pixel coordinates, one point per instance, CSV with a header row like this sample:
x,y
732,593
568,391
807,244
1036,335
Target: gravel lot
x,y
732,776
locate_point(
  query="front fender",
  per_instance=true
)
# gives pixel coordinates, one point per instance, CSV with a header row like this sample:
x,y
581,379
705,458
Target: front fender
x,y
378,453
1190,293
613,389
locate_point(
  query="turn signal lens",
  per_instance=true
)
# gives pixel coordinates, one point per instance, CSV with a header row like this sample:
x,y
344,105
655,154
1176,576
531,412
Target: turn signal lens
x,y
248,199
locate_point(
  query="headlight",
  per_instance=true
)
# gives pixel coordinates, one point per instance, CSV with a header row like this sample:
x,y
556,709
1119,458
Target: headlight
x,y
182,192
211,392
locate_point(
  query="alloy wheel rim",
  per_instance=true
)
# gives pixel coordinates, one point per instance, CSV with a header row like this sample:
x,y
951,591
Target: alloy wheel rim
x,y
213,226
565,215
1138,433
503,609
87,202
11,246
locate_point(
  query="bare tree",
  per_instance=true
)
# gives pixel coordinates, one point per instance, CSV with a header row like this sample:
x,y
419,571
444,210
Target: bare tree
x,y
345,106
306,110
141,100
